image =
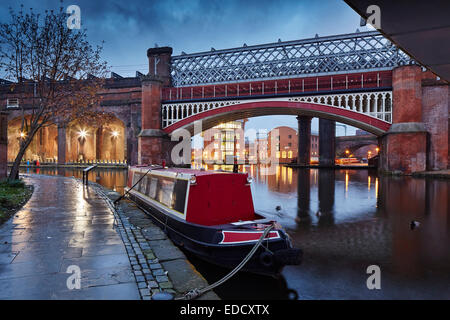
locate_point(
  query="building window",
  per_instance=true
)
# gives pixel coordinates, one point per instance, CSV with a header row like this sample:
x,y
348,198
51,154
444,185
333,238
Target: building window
x,y
278,154
290,136
12,103
284,154
290,154
289,144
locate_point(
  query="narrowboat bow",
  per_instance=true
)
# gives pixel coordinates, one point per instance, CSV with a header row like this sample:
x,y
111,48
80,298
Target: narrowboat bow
x,y
211,214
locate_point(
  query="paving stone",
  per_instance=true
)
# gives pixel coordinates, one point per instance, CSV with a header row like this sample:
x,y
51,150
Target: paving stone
x,y
155,291
166,285
153,284
162,279
184,277
149,277
159,272
165,250
171,291
146,271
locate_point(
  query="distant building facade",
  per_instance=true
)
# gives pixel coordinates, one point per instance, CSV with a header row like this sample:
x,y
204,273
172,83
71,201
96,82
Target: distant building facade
x,y
223,143
286,144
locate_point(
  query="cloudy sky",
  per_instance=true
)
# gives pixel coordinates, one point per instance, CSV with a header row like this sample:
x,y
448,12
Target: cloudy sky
x,y
130,27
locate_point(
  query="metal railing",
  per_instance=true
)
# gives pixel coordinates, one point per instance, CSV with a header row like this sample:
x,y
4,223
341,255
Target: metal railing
x,y
86,174
352,82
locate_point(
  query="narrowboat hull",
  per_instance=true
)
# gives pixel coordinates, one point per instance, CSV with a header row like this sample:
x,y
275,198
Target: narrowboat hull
x,y
222,245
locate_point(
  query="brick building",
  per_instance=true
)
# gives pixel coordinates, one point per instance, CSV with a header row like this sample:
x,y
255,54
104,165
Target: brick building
x,y
115,141
287,144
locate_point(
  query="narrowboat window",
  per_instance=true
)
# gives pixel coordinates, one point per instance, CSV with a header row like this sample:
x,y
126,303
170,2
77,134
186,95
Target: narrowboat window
x,y
152,187
166,191
143,185
136,177
179,193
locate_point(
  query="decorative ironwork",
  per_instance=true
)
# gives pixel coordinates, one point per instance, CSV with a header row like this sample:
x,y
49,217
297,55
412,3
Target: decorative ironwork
x,y
360,52
374,104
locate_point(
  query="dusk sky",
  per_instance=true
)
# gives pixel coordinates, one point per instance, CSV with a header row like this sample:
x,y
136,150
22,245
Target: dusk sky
x,y
130,27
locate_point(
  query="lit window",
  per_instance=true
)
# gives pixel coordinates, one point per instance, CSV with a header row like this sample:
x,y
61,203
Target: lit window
x,y
290,154
278,154
284,154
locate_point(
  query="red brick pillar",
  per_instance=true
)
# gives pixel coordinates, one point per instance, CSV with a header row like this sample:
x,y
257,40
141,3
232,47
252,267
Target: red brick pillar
x,y
3,144
327,142
404,148
436,115
304,140
154,144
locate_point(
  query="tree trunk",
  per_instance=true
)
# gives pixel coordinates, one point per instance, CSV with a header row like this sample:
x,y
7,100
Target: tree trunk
x,y
14,174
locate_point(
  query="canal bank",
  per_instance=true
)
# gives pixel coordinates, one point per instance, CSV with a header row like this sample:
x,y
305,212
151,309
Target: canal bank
x,y
67,225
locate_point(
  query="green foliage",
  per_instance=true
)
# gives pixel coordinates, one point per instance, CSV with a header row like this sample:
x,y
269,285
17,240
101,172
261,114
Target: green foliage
x,y
13,195
12,183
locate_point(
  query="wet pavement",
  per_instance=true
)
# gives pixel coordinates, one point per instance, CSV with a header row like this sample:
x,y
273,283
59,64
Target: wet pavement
x,y
63,224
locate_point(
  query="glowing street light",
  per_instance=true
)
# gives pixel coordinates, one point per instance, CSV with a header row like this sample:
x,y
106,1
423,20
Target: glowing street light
x,y
22,135
82,133
115,134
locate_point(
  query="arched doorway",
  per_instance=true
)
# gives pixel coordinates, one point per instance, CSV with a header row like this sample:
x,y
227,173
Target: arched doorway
x,y
103,143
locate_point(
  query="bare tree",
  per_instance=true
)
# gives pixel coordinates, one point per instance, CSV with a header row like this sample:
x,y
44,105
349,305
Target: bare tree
x,y
56,68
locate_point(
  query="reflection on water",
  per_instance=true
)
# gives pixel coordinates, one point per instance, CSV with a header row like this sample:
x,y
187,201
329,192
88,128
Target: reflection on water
x,y
345,221
114,179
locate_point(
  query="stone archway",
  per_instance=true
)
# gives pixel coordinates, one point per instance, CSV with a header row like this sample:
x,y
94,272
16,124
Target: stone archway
x,y
104,143
43,148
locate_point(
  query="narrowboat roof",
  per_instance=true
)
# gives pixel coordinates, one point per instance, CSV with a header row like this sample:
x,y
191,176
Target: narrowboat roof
x,y
181,171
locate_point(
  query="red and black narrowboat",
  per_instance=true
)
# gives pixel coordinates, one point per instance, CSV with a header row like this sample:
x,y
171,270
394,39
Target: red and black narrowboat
x,y
211,214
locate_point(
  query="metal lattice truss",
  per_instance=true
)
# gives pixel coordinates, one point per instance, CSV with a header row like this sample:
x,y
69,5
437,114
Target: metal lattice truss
x,y
375,104
357,52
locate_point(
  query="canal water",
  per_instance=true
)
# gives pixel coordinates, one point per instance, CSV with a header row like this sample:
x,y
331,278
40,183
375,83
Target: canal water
x,y
345,221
